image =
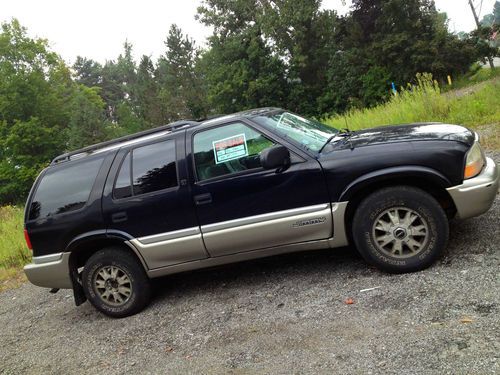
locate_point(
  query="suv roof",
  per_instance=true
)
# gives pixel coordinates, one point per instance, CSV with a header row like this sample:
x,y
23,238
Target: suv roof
x,y
127,139
153,133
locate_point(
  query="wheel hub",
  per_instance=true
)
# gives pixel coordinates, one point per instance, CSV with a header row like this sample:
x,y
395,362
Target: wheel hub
x,y
400,232
113,285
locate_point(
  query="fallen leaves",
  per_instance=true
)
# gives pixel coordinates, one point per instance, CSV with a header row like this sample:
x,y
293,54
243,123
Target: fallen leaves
x,y
349,301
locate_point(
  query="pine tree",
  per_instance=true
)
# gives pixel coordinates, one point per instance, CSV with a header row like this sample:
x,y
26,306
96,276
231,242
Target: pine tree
x,y
181,90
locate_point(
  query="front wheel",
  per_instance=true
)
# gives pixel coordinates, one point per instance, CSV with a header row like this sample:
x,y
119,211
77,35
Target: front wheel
x,y
400,229
115,283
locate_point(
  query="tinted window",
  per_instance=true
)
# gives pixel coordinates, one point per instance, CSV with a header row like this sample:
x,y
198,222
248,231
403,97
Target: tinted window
x,y
123,187
228,149
64,189
153,167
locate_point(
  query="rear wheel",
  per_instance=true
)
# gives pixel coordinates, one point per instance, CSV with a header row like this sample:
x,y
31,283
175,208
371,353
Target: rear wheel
x,y
116,283
400,229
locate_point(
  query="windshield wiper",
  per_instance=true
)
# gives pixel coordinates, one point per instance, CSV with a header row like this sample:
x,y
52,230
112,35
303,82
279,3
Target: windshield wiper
x,y
344,133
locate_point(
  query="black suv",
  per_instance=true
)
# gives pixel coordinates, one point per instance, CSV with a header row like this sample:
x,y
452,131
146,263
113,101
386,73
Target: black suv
x,y
105,219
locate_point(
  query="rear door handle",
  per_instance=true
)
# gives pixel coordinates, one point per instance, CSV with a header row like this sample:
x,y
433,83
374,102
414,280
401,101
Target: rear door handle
x,y
203,199
119,217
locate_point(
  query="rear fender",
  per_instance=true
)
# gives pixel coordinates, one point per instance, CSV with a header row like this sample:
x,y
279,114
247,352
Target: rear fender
x,y
95,240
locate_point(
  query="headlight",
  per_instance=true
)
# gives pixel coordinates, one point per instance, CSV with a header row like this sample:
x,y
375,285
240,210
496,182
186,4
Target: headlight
x,y
475,161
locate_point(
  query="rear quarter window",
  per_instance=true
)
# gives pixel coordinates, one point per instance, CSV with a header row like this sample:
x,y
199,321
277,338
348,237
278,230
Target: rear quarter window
x,y
64,188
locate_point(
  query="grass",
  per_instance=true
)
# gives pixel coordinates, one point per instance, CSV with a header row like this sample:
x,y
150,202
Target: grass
x,y
13,250
476,108
477,75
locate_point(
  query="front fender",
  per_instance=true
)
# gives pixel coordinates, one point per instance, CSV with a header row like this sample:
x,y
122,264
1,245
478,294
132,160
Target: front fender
x,y
400,173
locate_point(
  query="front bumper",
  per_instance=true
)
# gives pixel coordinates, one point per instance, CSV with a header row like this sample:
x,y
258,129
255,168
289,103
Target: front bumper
x,y
476,195
50,271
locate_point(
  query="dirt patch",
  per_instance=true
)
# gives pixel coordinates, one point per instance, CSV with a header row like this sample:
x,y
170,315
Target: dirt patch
x,y
471,89
11,278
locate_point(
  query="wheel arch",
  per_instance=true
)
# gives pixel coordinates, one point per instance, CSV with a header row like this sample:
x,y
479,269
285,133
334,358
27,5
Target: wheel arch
x,y
427,179
85,245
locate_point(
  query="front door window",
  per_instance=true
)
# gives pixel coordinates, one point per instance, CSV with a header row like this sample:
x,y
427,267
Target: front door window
x,y
227,150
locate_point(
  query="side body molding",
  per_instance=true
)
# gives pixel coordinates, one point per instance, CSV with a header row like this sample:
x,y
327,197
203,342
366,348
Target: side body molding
x,y
401,172
268,230
338,239
166,249
319,227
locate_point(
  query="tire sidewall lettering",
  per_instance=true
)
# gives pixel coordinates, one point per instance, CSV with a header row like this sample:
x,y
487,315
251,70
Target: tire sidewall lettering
x,y
400,196
97,299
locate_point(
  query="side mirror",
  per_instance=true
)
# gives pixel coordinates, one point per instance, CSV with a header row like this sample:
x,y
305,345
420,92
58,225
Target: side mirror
x,y
275,157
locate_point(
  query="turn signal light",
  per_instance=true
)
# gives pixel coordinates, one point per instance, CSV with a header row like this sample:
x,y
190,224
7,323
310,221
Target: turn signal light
x,y
475,161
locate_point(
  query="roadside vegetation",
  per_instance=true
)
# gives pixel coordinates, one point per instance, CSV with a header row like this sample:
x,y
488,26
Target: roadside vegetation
x,y
477,107
477,74
289,53
13,251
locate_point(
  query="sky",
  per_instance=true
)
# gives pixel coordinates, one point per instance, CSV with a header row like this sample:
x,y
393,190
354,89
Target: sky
x,y
97,29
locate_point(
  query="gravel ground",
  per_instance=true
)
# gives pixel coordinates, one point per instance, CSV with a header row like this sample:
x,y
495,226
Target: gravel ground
x,y
281,315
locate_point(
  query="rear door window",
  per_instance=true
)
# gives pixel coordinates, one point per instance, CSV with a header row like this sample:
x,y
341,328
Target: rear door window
x,y
147,169
64,189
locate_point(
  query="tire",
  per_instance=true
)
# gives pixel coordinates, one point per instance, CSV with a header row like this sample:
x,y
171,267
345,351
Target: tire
x,y
400,229
115,283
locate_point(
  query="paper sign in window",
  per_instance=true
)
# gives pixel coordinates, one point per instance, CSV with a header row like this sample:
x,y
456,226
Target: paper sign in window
x,y
230,148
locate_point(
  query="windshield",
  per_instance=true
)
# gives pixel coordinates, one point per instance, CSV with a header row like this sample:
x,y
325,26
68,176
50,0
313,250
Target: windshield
x,y
309,134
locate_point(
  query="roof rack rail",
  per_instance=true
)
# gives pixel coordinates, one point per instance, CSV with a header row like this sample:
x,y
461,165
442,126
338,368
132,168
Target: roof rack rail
x,y
86,150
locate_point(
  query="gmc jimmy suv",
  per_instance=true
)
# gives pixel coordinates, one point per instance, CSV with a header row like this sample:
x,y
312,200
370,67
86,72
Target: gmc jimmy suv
x,y
106,219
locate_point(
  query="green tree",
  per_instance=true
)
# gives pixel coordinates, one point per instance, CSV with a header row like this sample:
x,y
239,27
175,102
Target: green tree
x,y
304,37
27,147
35,95
496,13
127,71
87,120
117,81
406,37
384,41
241,73
297,34
492,19
146,94
87,72
343,84
181,88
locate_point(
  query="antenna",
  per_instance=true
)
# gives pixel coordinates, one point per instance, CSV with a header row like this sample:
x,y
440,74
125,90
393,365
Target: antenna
x,y
346,125
348,133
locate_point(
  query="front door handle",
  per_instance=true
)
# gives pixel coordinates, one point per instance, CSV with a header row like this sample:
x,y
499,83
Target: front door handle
x,y
119,217
203,199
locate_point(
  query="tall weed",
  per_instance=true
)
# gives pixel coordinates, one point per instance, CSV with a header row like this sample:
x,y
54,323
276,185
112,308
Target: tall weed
x,y
13,250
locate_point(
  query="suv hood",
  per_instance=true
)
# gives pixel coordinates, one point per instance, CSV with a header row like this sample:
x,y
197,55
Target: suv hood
x,y
407,132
